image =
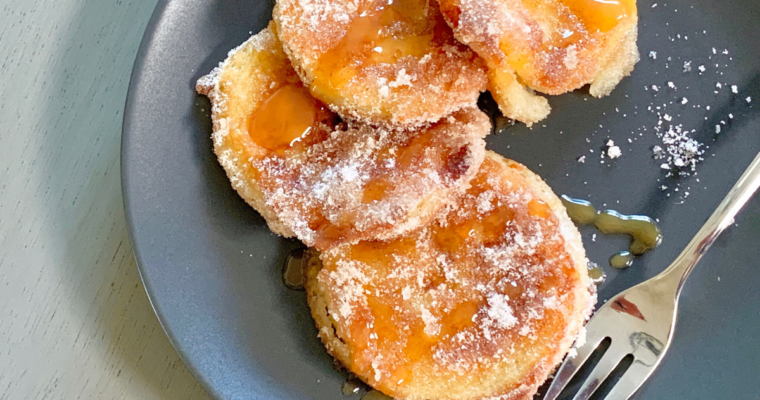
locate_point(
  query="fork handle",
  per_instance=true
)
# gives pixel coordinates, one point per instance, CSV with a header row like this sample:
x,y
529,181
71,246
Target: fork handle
x,y
720,219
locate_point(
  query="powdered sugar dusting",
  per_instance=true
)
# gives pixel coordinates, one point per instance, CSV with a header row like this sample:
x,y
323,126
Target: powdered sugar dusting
x,y
432,327
347,280
500,314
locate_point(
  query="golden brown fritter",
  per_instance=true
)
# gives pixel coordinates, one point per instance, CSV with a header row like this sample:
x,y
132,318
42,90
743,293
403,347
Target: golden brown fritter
x,y
324,182
550,46
483,303
394,63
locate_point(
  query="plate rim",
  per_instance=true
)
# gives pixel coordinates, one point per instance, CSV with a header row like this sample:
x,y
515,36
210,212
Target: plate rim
x,y
126,161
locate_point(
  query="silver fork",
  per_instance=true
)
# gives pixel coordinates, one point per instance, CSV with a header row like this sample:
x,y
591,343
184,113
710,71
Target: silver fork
x,y
639,321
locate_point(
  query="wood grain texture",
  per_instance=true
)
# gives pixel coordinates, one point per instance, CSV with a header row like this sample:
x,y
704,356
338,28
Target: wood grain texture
x,y
74,318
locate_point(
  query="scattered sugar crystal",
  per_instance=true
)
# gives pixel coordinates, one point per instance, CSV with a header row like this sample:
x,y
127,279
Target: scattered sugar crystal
x,y
485,204
702,68
571,57
680,150
613,151
378,49
687,66
655,88
748,99
573,351
671,85
684,100
658,152
734,89
582,159
376,367
525,330
653,55
402,79
718,85
717,128
552,302
432,327
499,312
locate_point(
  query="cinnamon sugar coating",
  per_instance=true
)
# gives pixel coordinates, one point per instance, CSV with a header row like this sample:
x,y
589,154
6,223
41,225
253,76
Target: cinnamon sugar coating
x,y
338,182
548,46
483,303
393,63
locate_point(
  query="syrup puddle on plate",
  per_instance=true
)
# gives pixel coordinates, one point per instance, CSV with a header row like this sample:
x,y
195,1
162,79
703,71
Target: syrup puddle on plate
x,y
293,272
352,386
644,232
621,260
595,273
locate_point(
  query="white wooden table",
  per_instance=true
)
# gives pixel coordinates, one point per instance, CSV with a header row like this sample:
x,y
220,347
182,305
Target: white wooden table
x,y
75,321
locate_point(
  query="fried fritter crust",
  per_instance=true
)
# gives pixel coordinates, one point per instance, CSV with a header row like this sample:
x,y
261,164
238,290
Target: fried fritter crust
x,y
338,183
481,304
393,63
550,46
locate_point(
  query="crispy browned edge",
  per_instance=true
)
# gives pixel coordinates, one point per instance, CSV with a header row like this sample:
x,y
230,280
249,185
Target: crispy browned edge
x,y
258,62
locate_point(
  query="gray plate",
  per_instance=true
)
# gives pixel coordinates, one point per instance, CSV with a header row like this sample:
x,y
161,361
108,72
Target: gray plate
x,y
212,268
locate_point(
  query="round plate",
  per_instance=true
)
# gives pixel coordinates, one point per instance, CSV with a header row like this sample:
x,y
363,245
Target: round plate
x,y
212,269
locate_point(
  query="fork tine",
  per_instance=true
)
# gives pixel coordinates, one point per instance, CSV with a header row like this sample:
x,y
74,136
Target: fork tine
x,y
631,380
610,359
571,365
